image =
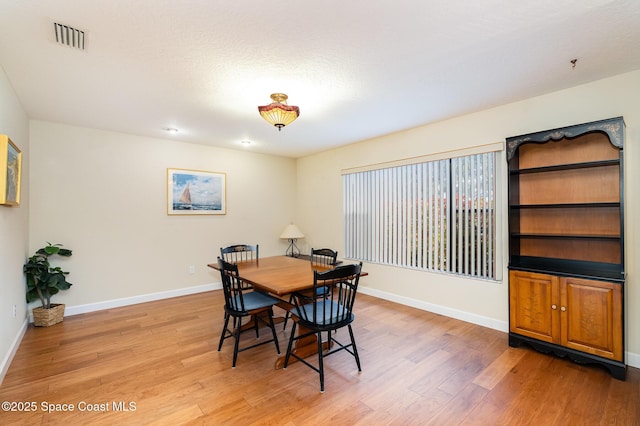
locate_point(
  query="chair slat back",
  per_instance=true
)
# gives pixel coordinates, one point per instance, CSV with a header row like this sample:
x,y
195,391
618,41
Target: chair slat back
x,y
239,253
323,257
334,309
232,286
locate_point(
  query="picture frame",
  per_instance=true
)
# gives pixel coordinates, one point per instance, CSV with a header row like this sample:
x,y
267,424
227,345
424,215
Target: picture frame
x,y
196,192
10,172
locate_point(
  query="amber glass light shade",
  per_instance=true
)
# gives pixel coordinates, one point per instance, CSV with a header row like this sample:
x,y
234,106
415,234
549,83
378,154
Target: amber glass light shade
x,y
278,113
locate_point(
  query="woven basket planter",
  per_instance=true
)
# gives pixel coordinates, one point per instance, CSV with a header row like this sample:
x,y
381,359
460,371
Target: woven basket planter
x,y
45,317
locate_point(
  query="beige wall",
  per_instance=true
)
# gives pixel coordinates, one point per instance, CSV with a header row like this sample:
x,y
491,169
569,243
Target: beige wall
x,y
319,211
13,231
103,195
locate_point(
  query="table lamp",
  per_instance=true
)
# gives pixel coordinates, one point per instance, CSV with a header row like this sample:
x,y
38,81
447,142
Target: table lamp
x,y
292,233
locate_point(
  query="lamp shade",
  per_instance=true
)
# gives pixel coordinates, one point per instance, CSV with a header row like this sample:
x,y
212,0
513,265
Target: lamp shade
x,y
291,232
278,113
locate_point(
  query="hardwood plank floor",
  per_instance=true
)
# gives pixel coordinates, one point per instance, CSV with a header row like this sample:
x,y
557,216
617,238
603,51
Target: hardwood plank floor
x,y
157,363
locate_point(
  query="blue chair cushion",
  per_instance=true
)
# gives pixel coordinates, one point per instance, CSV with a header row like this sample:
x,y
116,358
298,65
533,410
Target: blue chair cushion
x,y
321,291
327,313
256,300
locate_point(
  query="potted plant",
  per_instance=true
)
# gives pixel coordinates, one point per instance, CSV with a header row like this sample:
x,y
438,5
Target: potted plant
x,y
43,281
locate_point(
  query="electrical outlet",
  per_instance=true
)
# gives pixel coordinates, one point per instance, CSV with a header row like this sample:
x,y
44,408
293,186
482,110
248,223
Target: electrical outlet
x,y
192,269
15,311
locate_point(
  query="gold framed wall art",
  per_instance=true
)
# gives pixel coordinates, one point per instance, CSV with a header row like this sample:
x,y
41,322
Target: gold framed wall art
x,y
195,192
10,172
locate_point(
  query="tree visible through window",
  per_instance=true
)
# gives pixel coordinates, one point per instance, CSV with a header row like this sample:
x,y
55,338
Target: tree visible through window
x,y
436,216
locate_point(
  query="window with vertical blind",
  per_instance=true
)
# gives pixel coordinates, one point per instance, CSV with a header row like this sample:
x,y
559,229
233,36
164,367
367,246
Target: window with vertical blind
x,y
433,215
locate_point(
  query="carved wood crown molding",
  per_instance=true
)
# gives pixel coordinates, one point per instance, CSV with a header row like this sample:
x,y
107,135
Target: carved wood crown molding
x,y
613,127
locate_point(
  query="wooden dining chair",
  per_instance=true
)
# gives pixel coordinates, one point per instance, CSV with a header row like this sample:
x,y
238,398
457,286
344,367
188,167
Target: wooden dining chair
x,y
328,313
239,253
323,258
241,303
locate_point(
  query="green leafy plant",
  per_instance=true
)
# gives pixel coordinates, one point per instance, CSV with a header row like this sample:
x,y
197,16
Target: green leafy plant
x,y
44,280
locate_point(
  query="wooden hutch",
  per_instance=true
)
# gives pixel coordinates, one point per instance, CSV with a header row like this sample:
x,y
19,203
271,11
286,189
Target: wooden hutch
x,y
566,242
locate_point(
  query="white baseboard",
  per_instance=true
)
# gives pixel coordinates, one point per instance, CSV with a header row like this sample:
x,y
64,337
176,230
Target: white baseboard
x,y
126,301
632,359
6,362
438,309
134,300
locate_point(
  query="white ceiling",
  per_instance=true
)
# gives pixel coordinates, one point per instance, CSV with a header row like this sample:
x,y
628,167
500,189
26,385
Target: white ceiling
x,y
356,68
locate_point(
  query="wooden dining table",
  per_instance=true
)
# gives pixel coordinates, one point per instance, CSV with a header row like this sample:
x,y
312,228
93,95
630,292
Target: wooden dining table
x,y
281,276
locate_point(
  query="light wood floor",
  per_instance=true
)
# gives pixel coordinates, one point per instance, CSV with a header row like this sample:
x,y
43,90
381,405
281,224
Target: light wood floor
x,y
418,368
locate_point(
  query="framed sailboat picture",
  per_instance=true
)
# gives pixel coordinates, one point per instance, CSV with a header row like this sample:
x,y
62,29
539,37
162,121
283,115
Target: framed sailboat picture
x,y
10,171
192,192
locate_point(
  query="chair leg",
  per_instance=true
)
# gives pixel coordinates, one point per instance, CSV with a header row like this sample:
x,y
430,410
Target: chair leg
x,y
273,330
224,330
255,326
320,362
238,326
355,350
291,339
288,314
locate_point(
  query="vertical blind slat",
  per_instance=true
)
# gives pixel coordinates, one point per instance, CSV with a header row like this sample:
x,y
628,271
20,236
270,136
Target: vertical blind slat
x,y
445,213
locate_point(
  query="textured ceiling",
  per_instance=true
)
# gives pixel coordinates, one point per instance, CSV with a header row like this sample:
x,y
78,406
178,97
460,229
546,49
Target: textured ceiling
x,y
357,69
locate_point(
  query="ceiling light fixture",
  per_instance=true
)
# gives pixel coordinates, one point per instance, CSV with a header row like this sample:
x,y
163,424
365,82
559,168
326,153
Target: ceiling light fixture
x,y
278,112
171,130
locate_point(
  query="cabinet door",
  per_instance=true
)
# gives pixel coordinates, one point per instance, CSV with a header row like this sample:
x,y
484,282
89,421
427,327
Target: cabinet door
x,y
591,317
533,306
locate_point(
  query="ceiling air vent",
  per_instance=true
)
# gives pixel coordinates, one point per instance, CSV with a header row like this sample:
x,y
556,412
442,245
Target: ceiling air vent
x,y
69,36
